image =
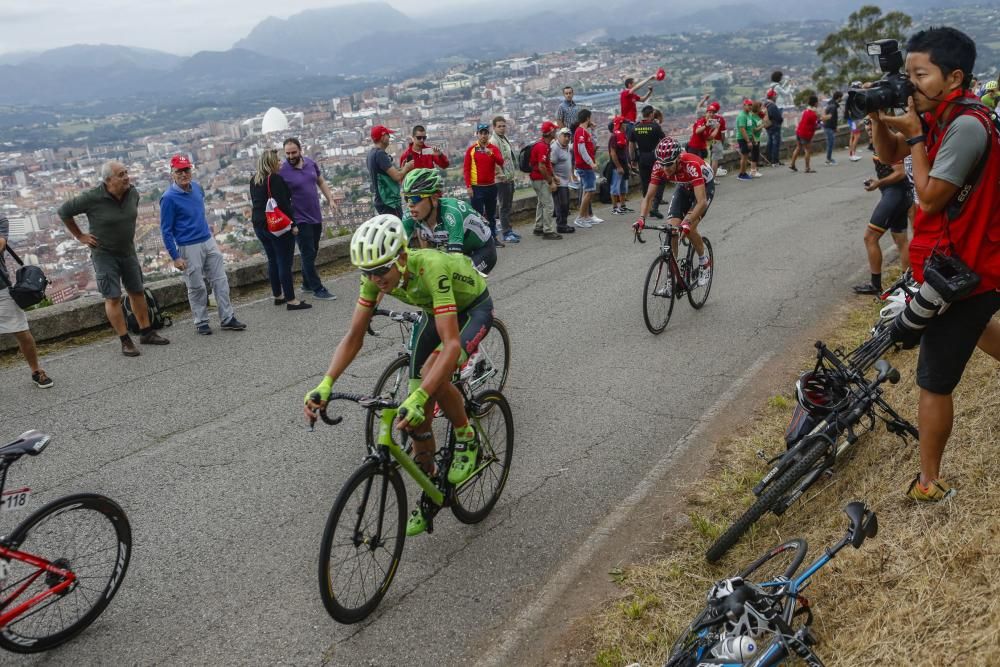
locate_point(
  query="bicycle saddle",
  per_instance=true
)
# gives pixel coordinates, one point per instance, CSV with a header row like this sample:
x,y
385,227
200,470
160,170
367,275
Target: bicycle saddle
x,y
30,442
864,523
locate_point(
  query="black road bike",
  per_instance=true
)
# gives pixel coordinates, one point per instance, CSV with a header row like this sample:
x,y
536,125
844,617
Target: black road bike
x,y
836,404
668,280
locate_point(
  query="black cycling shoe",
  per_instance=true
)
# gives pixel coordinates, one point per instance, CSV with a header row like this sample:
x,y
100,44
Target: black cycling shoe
x,y
656,214
867,288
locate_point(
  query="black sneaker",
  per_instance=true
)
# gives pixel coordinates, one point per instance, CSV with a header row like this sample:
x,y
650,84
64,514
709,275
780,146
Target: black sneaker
x,y
233,324
41,379
552,236
656,214
867,288
537,232
566,230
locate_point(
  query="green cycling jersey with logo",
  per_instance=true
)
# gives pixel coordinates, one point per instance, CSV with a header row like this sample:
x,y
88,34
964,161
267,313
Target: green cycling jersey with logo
x,y
436,282
459,227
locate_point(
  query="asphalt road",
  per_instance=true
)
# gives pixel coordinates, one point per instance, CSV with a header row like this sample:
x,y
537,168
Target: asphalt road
x,y
203,442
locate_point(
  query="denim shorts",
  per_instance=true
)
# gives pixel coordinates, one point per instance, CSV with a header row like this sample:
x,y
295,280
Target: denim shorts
x,y
619,183
588,179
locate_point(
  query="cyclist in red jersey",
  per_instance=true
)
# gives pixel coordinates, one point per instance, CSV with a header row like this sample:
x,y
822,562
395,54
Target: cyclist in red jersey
x,y
695,187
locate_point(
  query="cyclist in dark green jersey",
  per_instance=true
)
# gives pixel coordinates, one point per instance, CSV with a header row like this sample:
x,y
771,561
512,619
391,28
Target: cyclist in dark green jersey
x,y
458,313
444,221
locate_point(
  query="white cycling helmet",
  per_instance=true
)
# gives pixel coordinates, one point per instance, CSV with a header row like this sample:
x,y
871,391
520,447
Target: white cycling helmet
x,y
377,241
895,303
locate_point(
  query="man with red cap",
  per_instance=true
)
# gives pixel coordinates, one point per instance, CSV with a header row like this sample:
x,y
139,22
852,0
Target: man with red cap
x,y
384,177
543,181
188,239
776,118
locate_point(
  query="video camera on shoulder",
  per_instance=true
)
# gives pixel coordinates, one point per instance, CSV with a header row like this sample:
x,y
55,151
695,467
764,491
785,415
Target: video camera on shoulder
x,y
892,91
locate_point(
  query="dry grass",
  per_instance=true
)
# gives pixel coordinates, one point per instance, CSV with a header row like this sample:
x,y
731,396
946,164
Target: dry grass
x,y
923,592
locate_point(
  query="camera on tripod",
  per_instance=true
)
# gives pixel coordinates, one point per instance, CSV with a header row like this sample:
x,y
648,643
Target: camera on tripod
x,y
892,91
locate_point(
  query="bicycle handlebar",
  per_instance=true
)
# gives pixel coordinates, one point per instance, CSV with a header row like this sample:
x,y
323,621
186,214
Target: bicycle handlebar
x,y
367,402
398,316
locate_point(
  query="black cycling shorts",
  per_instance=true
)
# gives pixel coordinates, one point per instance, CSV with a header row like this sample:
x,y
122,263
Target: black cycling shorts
x,y
950,339
485,258
684,199
473,324
892,211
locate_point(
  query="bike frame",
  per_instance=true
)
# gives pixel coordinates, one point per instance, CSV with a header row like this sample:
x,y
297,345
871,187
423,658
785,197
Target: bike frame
x,y
44,567
386,443
667,234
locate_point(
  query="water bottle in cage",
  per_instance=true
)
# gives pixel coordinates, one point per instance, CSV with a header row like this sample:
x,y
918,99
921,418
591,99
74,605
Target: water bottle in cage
x,y
736,648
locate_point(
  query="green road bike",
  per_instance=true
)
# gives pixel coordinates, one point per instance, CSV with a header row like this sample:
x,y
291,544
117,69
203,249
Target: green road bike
x,y
364,535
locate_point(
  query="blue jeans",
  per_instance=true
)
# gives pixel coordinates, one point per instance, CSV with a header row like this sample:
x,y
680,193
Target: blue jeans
x,y
619,184
279,250
308,241
484,202
774,144
831,136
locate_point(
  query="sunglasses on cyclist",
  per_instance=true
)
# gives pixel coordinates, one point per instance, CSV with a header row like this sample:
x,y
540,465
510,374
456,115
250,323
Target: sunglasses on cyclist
x,y
415,199
378,271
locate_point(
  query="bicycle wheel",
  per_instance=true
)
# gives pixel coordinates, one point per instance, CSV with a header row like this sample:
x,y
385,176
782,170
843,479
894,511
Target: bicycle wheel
x,y
362,542
781,561
698,294
656,309
493,360
774,491
87,534
393,384
475,498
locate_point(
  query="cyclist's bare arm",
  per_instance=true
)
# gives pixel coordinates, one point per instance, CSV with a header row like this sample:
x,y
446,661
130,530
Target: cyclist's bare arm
x,y
445,361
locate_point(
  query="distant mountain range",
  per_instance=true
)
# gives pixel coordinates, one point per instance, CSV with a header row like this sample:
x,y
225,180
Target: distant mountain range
x,y
372,39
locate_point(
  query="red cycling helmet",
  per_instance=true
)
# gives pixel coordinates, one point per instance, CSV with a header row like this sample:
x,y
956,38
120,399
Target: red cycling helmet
x,y
667,151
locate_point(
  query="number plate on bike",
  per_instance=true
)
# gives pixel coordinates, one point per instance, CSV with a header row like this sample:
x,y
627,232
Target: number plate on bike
x,y
14,500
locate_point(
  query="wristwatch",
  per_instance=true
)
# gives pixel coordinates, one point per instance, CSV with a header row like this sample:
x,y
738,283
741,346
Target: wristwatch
x,y
919,139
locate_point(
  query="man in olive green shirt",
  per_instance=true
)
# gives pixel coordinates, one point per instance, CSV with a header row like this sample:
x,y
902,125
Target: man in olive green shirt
x,y
111,209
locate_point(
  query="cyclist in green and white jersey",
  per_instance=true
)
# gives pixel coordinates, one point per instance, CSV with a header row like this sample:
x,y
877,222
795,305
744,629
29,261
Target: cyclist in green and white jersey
x,y
444,221
458,313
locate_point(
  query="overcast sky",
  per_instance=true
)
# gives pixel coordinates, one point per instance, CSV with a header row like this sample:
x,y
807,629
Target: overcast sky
x,y
176,26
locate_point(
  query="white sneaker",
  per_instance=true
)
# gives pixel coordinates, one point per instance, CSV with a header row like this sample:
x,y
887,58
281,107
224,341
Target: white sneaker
x,y
855,158
755,174
721,171
663,291
594,220
704,274
583,223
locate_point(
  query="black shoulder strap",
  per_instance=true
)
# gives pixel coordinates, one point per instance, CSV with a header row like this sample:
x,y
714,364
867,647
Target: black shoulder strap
x,y
14,255
954,207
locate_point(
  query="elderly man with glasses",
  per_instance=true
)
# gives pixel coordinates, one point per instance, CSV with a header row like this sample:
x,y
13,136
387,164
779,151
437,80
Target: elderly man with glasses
x,y
188,239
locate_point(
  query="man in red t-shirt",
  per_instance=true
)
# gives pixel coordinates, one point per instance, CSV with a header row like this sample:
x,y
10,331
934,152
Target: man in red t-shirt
x,y
422,155
585,159
629,97
804,134
543,181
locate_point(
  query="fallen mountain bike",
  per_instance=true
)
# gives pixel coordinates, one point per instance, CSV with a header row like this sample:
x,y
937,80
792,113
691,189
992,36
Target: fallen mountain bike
x,y
363,540
834,402
61,566
668,280
759,618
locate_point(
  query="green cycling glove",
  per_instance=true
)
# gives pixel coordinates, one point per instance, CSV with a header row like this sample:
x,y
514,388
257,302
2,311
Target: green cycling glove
x,y
323,390
414,406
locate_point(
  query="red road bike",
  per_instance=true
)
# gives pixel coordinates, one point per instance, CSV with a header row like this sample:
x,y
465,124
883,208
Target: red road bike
x,y
60,567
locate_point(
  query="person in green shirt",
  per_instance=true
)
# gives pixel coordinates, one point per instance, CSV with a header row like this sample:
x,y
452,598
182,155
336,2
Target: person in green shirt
x,y
458,313
749,147
992,95
112,209
444,221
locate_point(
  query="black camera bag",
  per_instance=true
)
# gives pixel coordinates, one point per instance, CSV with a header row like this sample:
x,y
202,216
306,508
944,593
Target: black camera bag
x,y
29,283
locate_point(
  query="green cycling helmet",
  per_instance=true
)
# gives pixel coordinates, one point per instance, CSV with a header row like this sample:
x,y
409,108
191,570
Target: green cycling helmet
x,y
422,182
377,241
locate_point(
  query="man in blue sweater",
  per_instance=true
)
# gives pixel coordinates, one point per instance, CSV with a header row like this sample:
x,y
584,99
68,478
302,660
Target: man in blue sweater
x,y
188,239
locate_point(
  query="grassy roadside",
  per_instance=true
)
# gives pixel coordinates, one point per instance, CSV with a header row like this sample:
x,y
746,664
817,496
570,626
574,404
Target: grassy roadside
x,y
923,592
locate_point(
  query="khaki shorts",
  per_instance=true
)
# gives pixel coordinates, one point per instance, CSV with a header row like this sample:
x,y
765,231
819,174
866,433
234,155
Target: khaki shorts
x,y
12,318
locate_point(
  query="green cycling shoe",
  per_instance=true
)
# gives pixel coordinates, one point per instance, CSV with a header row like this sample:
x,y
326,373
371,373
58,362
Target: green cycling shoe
x,y
416,524
463,463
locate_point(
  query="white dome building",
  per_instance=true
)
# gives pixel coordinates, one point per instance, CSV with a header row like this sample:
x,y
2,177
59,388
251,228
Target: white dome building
x,y
274,121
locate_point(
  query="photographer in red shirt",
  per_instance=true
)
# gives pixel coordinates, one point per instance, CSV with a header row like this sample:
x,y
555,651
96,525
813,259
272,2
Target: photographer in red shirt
x,y
422,155
955,149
